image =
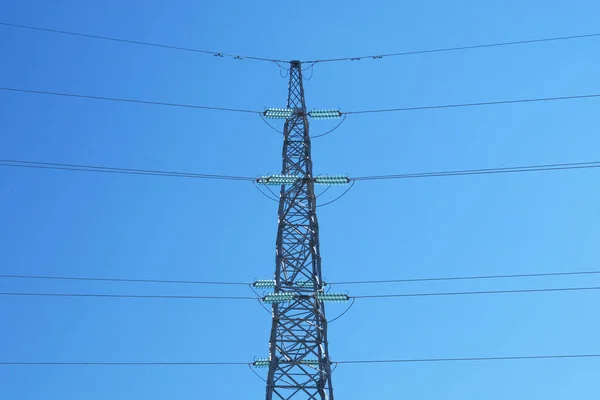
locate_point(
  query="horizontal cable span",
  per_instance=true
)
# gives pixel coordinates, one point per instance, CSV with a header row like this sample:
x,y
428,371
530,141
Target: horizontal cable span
x,y
487,171
238,56
485,103
164,46
431,279
81,278
193,106
113,170
123,100
131,171
193,297
83,363
130,296
428,360
458,48
457,278
568,289
387,361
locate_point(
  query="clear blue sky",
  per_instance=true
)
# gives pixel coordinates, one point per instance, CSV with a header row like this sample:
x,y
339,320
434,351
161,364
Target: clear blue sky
x,y
83,224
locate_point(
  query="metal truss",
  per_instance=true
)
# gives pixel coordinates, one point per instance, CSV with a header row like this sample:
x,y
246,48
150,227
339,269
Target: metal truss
x,y
299,363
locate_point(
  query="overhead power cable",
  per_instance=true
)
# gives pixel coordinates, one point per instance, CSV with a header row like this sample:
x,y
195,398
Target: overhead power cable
x,y
567,289
194,106
487,171
328,60
195,282
123,100
384,361
137,42
81,278
131,171
429,360
484,103
456,278
86,363
194,297
112,170
129,296
457,48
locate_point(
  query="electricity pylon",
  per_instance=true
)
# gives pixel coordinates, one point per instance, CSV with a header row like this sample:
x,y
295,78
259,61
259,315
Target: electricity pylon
x,y
299,363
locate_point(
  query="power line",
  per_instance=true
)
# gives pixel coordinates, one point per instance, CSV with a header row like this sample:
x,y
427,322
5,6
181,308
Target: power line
x,y
123,100
77,278
238,56
429,360
568,289
193,106
113,170
431,279
194,297
458,48
83,363
385,361
456,278
164,46
487,171
129,296
485,103
132,171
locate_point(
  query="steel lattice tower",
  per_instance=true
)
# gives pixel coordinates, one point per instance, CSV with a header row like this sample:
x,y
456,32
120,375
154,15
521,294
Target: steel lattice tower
x,y
299,363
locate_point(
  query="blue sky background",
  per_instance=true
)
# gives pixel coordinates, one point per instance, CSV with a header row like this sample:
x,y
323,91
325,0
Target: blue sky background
x,y
84,224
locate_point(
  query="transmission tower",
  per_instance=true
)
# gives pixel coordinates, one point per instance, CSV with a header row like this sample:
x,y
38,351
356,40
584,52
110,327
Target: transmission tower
x,y
299,363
